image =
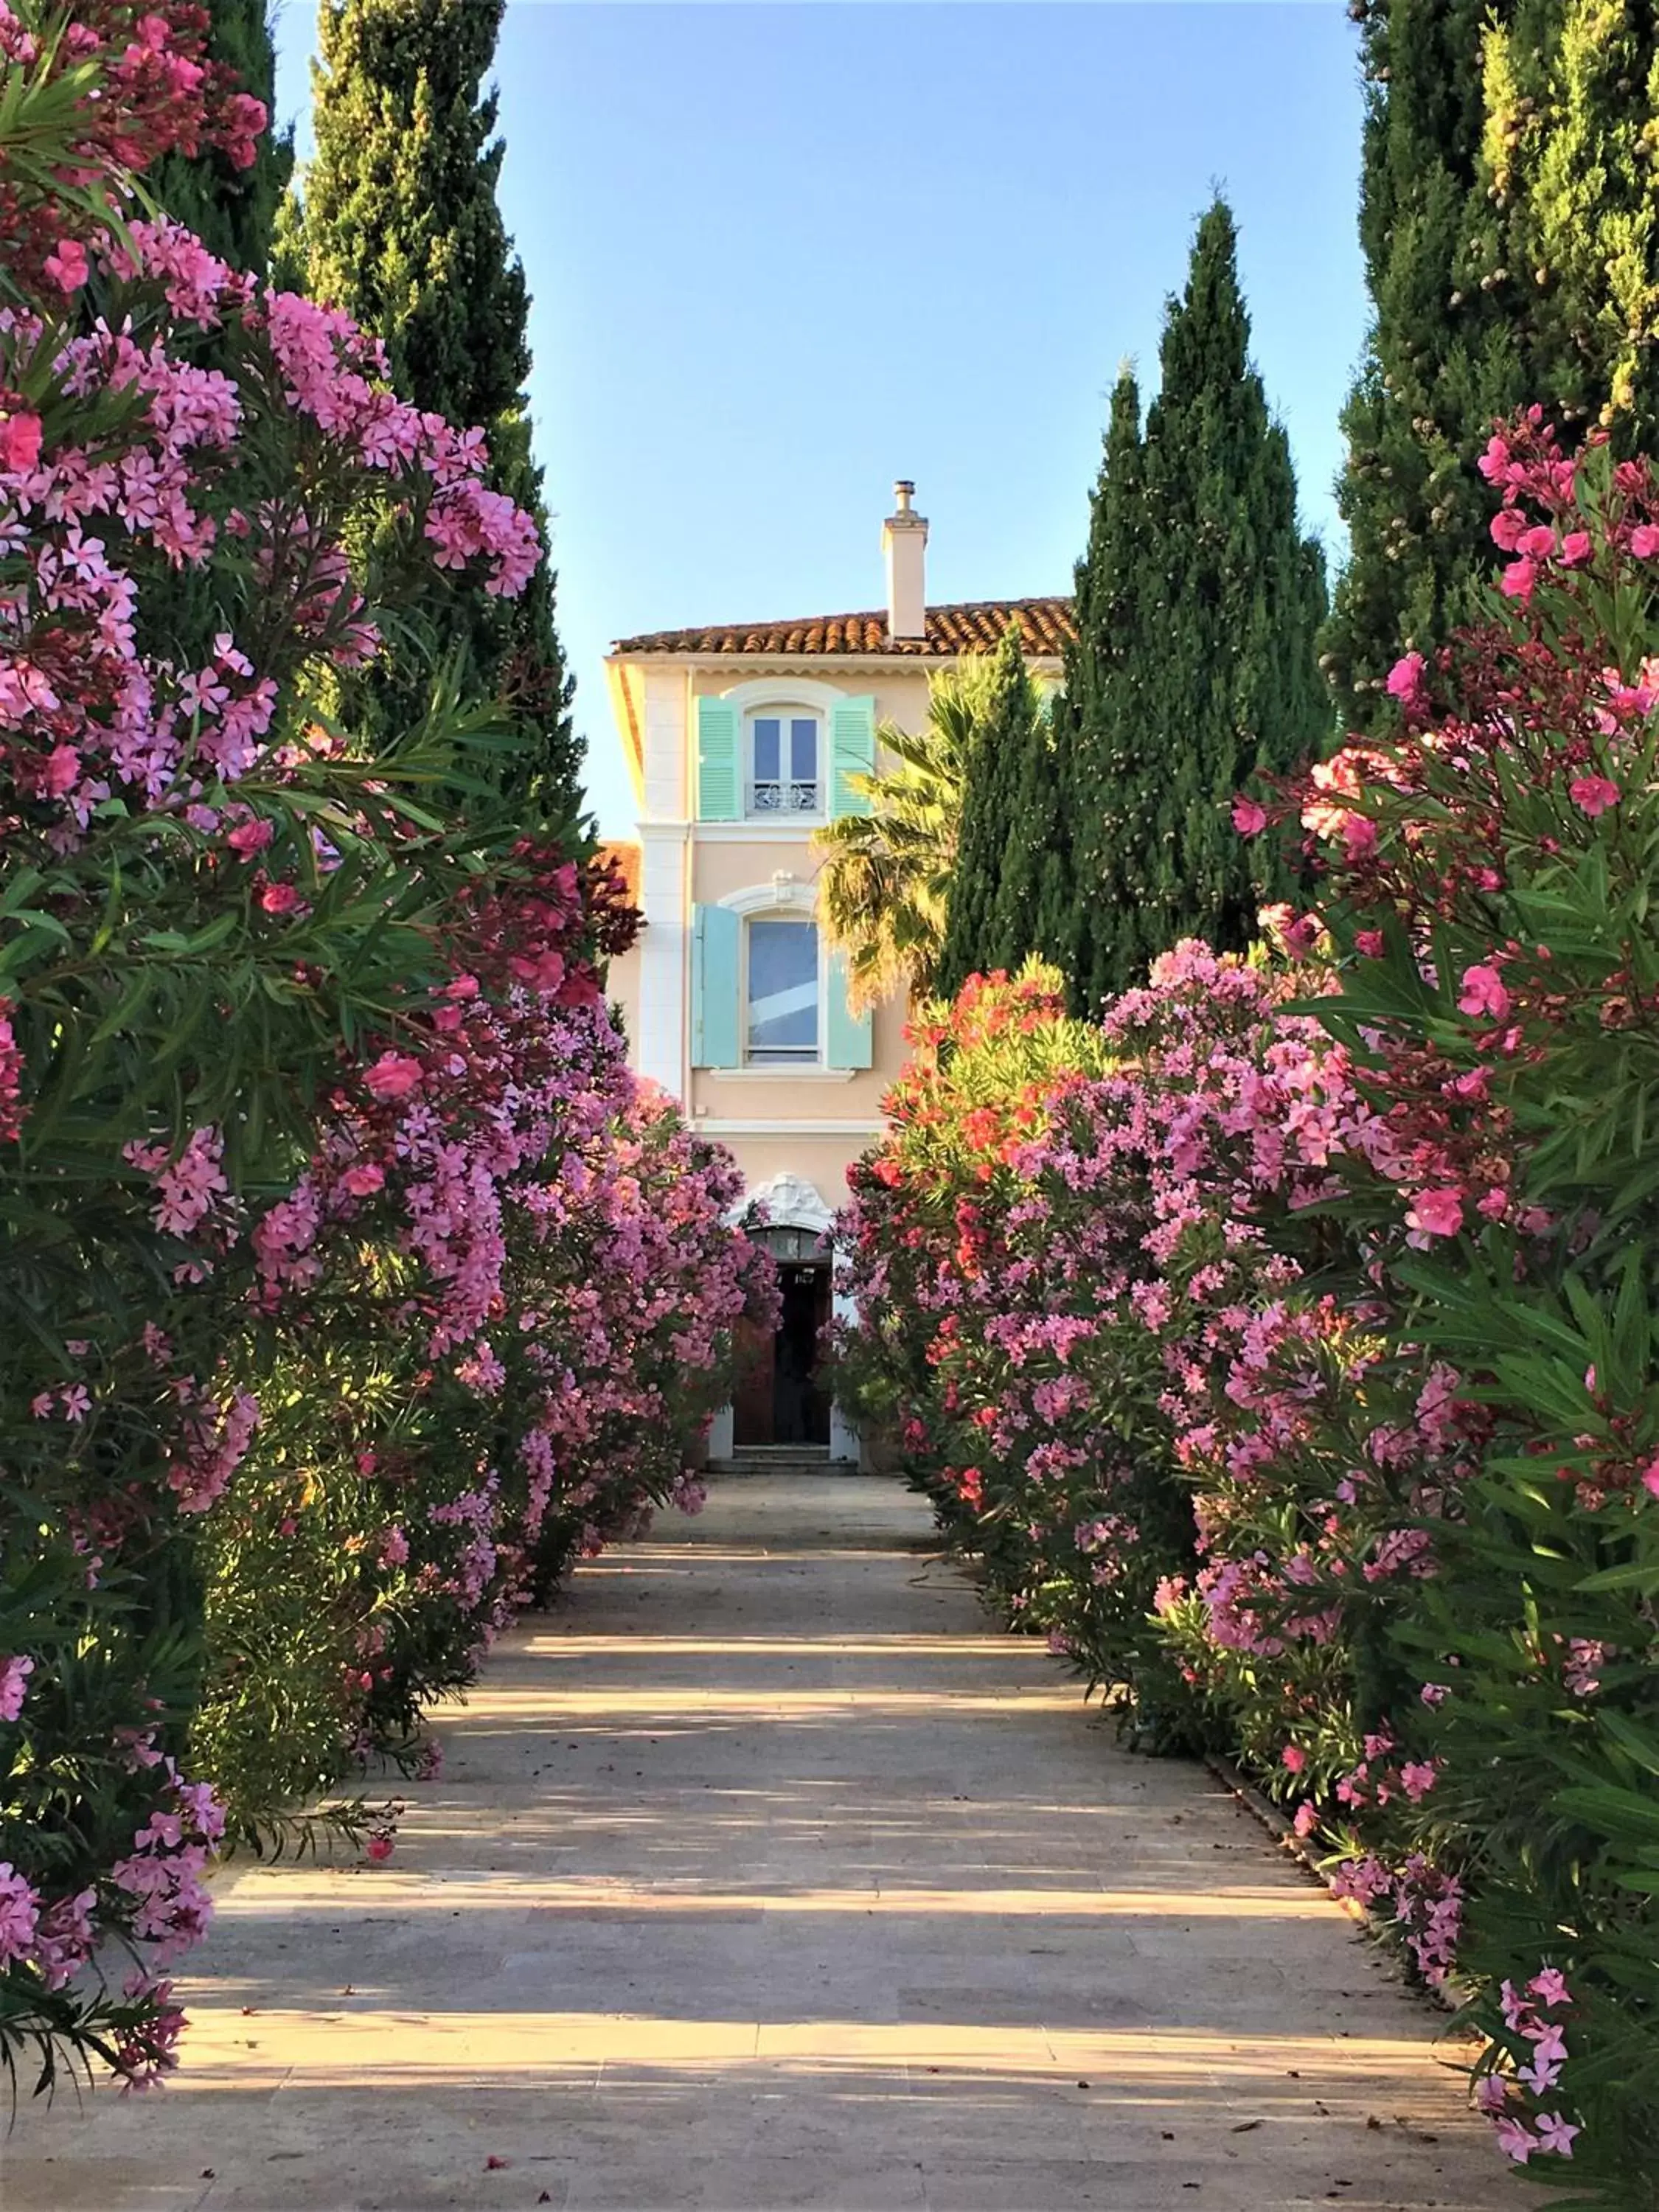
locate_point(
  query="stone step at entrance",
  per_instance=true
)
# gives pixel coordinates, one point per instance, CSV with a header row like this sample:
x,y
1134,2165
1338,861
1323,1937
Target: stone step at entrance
x,y
779,1460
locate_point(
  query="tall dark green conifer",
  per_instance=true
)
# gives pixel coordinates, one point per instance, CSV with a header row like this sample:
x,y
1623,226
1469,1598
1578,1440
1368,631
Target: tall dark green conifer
x,y
1571,158
1100,807
402,229
1197,604
1443,356
1509,219
1054,908
233,211
1036,842
990,917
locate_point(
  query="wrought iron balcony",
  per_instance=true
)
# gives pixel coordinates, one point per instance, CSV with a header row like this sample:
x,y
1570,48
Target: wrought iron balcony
x,y
775,796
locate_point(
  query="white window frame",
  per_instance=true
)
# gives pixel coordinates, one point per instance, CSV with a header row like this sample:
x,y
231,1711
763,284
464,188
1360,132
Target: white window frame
x,y
772,901
801,1063
767,697
784,713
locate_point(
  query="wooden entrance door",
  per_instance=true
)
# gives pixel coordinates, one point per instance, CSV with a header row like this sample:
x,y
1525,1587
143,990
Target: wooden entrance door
x,y
752,1400
779,1398
818,1402
801,1407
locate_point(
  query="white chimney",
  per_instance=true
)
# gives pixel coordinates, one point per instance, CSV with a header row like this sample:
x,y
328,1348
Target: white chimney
x,y
904,542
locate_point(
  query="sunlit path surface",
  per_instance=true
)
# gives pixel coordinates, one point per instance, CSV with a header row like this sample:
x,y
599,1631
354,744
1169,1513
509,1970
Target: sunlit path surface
x,y
762,1875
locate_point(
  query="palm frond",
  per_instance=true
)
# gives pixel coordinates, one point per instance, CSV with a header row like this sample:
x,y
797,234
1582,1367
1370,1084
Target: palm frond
x,y
884,883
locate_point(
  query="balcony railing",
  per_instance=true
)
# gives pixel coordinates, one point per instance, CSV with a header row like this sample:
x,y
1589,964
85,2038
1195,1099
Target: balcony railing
x,y
777,797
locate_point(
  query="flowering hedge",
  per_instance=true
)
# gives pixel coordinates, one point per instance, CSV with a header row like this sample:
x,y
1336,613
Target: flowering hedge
x,y
351,1285
1285,1343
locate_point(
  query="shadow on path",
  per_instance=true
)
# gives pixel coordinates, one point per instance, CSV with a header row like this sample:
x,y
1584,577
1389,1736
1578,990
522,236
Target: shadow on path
x,y
763,1875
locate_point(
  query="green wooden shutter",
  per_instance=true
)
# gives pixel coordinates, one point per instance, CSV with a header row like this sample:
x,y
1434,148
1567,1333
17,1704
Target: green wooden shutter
x,y
720,767
716,934
849,1034
851,752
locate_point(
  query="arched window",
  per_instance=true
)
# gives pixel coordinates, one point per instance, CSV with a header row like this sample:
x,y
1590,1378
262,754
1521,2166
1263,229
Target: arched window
x,y
768,997
781,749
782,992
784,758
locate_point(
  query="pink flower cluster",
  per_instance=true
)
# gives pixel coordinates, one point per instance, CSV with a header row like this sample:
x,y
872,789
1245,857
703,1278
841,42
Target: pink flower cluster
x,y
1426,1902
151,88
190,1188
474,1334
1297,1334
1539,2051
153,1895
83,713
567,1273
213,1441
13,1685
11,1077
1130,1261
1524,463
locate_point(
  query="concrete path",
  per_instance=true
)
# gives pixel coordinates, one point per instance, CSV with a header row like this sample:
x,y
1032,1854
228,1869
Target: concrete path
x,y
764,1874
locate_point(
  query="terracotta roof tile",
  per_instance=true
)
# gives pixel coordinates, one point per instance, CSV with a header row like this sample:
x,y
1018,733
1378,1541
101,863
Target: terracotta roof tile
x,y
977,627
627,857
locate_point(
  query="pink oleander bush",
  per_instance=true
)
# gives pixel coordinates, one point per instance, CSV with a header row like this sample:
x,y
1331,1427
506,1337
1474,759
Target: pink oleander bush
x,y
351,1287
1285,1344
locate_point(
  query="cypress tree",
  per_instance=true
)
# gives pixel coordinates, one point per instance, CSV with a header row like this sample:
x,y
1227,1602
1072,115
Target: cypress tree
x,y
290,258
1443,357
1570,157
1199,604
1093,767
1053,864
1036,841
1509,219
401,227
980,922
233,211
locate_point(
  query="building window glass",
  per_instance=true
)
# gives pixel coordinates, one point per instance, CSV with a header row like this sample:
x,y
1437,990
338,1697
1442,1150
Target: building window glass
x,y
782,999
783,762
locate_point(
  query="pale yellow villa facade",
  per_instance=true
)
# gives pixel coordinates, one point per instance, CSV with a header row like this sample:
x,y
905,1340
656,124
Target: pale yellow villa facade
x,y
741,739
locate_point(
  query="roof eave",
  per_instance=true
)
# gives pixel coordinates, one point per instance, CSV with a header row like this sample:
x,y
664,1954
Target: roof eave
x,y
623,714
771,659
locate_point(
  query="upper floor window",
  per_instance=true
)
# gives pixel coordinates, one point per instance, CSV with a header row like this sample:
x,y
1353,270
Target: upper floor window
x,y
782,999
785,762
781,749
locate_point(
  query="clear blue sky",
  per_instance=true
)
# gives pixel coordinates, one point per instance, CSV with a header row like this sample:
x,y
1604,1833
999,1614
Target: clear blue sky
x,y
781,255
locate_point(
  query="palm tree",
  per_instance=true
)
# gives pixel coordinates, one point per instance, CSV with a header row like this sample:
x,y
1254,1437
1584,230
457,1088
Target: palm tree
x,y
886,880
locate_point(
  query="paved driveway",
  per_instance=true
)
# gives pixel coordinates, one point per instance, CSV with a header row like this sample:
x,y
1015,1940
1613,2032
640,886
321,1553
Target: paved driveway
x,y
766,1875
